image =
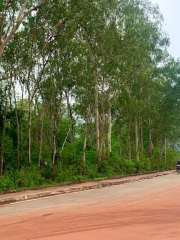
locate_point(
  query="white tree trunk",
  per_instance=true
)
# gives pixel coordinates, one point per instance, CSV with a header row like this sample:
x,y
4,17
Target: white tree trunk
x,y
142,145
85,136
129,139
3,136
41,137
165,148
29,134
109,127
4,130
54,144
17,122
97,113
137,140
20,18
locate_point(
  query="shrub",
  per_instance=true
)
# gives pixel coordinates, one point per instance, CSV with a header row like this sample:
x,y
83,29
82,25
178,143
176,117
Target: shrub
x,y
130,166
27,178
143,165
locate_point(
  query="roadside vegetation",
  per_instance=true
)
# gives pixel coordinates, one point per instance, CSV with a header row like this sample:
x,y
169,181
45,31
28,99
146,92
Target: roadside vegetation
x,y
88,91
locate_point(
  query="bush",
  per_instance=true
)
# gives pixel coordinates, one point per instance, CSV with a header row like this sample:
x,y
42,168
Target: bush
x,y
24,178
92,172
165,164
27,178
60,178
6,184
143,165
130,166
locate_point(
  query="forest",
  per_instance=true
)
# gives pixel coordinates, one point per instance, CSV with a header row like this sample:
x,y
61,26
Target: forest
x,y
88,91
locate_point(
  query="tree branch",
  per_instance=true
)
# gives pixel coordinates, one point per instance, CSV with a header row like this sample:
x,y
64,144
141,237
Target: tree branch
x,y
20,19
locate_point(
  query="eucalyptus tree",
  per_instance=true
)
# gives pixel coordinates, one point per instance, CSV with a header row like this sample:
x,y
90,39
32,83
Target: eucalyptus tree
x,y
7,95
13,14
95,31
168,74
55,88
124,67
7,66
37,35
147,45
83,92
120,43
32,75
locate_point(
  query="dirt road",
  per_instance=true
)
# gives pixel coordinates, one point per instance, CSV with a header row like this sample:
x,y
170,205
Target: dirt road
x,y
148,209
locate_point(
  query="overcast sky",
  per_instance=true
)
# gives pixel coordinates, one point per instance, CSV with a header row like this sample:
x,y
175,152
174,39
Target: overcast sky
x,y
170,10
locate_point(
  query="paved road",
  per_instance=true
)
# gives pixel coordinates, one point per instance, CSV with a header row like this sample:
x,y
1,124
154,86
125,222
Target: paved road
x,y
149,209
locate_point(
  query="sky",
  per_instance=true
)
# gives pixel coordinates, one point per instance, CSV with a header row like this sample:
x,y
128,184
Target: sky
x,y
170,10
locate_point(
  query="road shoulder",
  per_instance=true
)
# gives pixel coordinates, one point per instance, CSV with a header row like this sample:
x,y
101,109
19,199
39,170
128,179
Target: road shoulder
x,y
77,187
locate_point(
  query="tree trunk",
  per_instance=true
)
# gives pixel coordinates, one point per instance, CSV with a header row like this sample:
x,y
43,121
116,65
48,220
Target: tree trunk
x,y
29,134
150,147
18,134
29,113
102,149
161,148
21,124
165,148
85,136
72,121
97,113
54,143
20,17
4,129
142,145
129,139
101,134
109,126
64,143
1,51
119,143
41,137
3,135
22,141
137,139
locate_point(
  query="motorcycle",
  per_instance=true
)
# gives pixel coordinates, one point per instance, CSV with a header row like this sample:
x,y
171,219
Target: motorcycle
x,y
178,168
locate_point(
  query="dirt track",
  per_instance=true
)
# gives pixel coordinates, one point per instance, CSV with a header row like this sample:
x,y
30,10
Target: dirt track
x,y
143,210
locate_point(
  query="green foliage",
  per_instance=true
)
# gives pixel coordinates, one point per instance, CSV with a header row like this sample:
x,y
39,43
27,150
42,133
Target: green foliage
x,y
113,167
143,165
162,164
22,179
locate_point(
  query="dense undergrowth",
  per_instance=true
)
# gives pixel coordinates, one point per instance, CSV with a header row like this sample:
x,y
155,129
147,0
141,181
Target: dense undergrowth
x,y
29,178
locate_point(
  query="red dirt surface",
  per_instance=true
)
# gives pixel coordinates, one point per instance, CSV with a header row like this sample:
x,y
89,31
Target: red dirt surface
x,y
155,216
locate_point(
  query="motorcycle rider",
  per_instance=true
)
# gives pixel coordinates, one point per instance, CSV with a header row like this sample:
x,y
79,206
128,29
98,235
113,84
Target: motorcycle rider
x,y
178,163
178,166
